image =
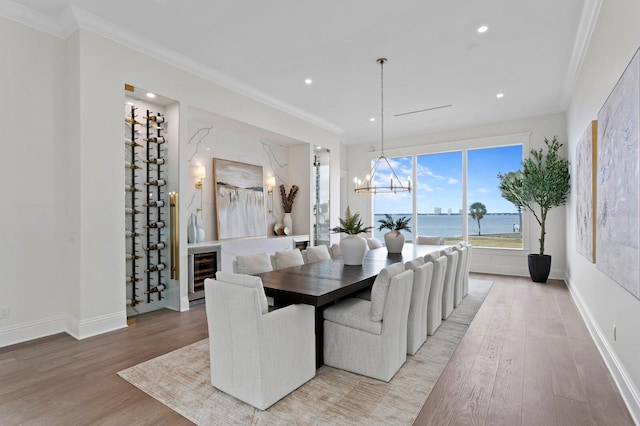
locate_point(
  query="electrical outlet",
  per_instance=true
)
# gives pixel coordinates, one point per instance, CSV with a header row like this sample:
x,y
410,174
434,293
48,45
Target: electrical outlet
x,y
4,311
614,333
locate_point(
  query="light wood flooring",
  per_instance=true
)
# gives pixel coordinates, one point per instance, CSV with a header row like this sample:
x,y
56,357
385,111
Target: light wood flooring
x,y
527,358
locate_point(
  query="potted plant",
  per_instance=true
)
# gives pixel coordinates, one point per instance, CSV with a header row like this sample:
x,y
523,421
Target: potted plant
x,y
394,239
287,205
542,184
353,247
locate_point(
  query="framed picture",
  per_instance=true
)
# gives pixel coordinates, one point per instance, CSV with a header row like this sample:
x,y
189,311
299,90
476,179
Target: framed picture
x,y
585,181
617,240
239,195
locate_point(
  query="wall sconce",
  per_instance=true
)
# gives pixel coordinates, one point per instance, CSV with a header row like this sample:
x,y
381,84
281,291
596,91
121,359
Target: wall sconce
x,y
201,173
271,183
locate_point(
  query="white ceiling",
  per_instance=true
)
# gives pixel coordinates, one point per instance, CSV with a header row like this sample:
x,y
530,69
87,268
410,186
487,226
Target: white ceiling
x,y
436,56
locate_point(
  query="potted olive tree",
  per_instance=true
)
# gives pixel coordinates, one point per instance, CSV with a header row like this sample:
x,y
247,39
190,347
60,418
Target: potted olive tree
x,y
394,239
542,184
353,247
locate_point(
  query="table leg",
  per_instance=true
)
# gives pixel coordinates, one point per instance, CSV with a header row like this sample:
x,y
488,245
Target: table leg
x,y
319,337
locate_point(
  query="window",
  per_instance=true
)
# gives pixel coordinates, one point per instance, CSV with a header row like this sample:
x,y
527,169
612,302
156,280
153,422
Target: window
x,y
501,225
439,196
457,194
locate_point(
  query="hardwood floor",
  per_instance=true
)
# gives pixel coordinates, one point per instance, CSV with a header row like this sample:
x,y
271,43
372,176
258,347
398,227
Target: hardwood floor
x,y
527,358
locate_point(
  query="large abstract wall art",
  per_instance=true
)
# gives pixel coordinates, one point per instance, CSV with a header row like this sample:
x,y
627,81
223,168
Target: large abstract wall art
x,y
239,195
585,185
617,182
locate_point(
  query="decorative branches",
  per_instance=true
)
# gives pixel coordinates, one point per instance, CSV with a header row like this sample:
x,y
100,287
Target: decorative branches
x,y
287,200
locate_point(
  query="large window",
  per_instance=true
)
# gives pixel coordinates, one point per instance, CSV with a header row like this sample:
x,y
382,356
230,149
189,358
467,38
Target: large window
x,y
497,222
439,195
457,196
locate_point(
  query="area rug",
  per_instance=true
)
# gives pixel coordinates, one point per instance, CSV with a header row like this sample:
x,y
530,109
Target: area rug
x,y
181,380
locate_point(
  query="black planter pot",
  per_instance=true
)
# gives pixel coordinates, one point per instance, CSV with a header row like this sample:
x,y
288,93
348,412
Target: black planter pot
x,y
539,267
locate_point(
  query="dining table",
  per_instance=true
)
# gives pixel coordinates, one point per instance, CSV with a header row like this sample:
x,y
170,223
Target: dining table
x,y
321,284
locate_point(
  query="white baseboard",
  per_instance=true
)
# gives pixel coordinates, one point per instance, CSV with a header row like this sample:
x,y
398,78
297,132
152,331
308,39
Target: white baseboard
x,y
626,386
184,304
103,324
32,330
61,324
517,271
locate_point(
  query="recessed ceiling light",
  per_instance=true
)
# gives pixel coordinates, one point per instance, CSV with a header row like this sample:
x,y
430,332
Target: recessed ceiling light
x,y
150,95
483,29
500,95
308,81
130,103
372,119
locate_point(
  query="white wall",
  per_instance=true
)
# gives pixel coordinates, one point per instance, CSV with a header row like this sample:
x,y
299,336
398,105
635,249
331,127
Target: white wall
x,y
511,262
32,169
62,245
604,303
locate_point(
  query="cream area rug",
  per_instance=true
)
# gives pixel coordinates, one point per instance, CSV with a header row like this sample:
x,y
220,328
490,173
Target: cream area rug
x,y
181,380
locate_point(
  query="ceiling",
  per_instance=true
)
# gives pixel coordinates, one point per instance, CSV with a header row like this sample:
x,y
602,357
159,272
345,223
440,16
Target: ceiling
x,y
436,57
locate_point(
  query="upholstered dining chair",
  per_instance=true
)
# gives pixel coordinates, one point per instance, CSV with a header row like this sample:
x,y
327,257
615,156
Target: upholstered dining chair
x,y
458,288
256,356
370,337
449,281
335,251
469,247
417,320
287,259
434,304
252,264
316,254
428,240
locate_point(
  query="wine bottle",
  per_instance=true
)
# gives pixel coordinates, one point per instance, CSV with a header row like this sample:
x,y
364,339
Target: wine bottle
x,y
133,256
129,142
132,211
134,302
159,182
131,120
155,118
158,246
130,188
158,224
158,140
158,203
133,234
133,279
132,166
158,267
158,161
156,289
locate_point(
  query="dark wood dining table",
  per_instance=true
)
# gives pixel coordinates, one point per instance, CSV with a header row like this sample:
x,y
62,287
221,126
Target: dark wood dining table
x,y
321,284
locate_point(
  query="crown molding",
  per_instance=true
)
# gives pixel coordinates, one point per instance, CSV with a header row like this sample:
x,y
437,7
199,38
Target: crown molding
x,y
588,19
72,18
29,17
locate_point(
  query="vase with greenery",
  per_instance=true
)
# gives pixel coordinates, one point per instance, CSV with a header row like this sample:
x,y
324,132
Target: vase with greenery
x,y
353,247
394,239
287,205
542,184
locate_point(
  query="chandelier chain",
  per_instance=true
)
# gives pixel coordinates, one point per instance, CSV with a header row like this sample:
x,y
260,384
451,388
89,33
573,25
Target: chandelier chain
x,y
382,60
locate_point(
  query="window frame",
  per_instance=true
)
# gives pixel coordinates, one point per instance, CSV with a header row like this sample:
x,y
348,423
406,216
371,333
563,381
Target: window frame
x,y
464,145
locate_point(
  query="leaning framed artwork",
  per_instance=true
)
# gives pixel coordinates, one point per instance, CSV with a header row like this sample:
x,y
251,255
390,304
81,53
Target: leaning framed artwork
x,y
585,184
239,196
617,240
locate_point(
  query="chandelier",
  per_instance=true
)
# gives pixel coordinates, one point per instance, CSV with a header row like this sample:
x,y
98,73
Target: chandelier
x,y
371,185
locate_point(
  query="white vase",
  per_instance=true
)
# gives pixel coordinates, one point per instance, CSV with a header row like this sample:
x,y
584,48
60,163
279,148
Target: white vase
x,y
288,223
192,230
353,249
394,240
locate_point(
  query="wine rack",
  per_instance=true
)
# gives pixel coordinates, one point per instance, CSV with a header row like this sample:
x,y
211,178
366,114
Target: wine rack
x,y
145,206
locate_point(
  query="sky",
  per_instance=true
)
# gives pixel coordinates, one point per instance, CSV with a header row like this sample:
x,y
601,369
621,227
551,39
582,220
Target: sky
x,y
440,181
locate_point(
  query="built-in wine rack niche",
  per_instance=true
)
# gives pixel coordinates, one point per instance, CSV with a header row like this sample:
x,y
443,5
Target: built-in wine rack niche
x,y
145,204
